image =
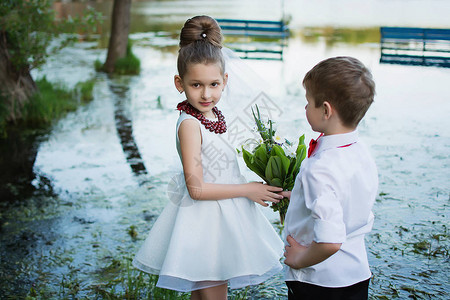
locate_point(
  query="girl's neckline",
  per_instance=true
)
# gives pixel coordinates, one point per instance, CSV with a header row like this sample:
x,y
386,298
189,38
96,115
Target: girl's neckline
x,y
218,126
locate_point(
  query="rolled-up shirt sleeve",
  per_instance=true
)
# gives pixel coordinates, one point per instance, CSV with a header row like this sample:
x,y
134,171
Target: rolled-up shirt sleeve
x,y
323,199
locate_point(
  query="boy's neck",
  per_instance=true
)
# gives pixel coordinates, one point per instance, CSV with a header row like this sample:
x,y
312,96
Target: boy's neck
x,y
337,128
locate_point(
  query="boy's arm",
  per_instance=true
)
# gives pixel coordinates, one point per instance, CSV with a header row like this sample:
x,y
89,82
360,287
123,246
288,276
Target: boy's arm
x,y
298,256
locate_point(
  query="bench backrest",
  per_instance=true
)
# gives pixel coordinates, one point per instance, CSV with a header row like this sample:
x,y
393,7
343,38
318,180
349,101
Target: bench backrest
x,y
419,34
253,27
415,46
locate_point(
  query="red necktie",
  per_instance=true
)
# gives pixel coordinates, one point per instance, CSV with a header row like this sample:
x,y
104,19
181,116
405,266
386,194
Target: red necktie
x,y
313,145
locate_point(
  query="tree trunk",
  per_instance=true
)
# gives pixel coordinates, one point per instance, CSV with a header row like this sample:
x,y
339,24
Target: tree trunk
x,y
120,26
17,85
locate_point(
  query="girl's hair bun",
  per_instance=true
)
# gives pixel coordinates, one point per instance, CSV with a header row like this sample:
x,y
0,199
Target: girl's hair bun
x,y
200,42
201,28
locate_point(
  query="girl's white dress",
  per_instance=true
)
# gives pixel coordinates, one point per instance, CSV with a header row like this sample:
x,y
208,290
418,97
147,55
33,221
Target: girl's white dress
x,y
198,244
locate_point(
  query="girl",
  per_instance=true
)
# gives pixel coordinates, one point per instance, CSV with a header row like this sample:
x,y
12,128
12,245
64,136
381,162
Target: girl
x,y
211,233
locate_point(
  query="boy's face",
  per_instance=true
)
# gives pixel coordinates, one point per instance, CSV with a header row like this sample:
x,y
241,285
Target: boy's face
x,y
314,114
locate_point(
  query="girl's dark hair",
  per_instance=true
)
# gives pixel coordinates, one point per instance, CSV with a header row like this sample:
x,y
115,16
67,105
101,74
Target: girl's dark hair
x,y
200,42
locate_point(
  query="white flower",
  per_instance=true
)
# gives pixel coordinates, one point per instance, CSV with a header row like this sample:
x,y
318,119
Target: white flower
x,y
278,140
289,152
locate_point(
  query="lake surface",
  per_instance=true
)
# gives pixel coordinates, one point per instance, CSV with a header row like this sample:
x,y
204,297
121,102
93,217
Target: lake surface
x,y
54,241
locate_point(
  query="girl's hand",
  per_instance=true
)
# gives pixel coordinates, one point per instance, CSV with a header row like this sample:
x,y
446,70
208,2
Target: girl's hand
x,y
259,192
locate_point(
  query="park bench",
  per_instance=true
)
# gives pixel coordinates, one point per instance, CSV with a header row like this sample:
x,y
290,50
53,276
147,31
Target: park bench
x,y
262,39
415,46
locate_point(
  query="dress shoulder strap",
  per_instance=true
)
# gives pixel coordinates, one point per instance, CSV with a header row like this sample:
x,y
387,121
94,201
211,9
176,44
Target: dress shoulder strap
x,y
184,116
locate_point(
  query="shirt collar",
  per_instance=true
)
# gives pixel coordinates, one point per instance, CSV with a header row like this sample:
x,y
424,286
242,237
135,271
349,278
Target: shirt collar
x,y
336,141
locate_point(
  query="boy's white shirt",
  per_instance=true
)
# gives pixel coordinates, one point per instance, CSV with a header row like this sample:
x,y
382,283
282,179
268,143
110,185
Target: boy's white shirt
x,y
332,203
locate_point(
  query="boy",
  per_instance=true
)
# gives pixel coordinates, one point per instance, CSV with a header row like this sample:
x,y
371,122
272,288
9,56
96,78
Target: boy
x,y
330,207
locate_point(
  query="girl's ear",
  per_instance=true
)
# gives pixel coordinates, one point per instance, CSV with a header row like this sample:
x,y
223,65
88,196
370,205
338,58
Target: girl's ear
x,y
327,109
178,83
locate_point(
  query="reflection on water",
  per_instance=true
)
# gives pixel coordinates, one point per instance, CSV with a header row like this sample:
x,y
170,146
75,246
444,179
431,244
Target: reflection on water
x,y
73,237
124,127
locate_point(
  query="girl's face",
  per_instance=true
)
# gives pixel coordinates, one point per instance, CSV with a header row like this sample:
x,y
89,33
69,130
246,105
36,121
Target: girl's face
x,y
203,85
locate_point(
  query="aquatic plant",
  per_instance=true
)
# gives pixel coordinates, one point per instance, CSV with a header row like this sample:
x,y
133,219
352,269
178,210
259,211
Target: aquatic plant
x,y
53,101
128,65
84,90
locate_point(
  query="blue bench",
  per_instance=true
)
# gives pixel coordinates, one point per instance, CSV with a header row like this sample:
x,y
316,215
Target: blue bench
x,y
266,34
415,46
271,29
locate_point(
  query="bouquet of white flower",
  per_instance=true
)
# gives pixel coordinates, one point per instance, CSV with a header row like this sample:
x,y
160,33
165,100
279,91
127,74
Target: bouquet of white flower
x,y
274,161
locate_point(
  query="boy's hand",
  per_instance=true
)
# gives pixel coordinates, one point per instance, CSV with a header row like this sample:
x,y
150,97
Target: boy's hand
x,y
286,194
298,256
293,252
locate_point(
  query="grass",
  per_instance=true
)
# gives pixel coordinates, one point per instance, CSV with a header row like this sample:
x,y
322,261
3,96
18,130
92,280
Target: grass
x,y
128,65
85,90
53,101
120,280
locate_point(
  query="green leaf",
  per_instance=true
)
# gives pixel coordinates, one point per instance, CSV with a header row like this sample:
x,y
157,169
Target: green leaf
x,y
301,143
245,154
260,166
269,171
301,140
259,124
292,161
252,165
301,154
288,182
276,182
261,154
285,162
277,151
275,169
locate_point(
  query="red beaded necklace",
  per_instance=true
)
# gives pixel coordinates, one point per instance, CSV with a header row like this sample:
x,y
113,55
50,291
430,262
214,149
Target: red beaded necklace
x,y
218,126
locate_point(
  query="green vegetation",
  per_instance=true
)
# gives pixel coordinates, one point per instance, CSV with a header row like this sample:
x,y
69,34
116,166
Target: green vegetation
x,y
30,33
31,28
51,102
98,65
120,280
3,116
84,90
334,35
128,65
129,283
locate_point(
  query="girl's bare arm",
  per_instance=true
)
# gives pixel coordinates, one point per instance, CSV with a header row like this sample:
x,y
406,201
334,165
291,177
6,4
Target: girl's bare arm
x,y
190,144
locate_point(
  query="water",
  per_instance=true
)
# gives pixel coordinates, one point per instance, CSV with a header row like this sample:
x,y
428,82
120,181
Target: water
x,y
66,236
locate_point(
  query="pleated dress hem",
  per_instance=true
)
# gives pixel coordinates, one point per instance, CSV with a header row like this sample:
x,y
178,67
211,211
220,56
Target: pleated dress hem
x,y
185,285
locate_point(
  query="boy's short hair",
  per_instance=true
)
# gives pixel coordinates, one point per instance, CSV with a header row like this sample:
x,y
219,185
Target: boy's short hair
x,y
345,83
